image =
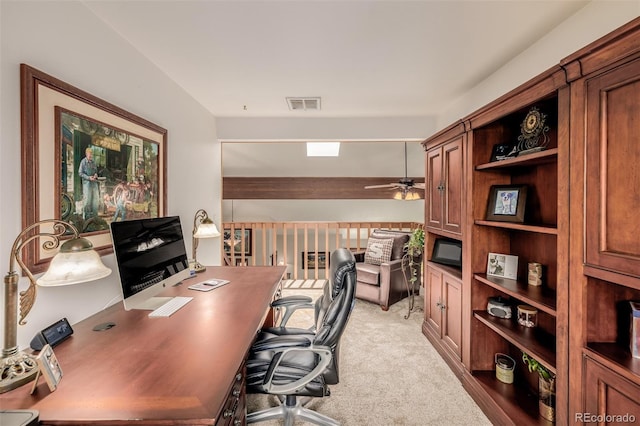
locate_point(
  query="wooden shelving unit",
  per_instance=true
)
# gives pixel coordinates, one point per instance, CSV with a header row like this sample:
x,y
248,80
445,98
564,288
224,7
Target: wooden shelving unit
x,y
539,238
581,223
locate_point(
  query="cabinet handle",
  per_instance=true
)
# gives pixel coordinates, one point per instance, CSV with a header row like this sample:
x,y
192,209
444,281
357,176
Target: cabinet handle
x,y
440,187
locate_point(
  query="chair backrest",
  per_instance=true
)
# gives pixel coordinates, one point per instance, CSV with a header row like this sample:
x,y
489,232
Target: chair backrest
x,y
334,307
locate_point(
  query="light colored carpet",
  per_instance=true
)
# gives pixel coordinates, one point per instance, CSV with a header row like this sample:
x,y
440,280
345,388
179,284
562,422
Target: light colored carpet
x,y
390,374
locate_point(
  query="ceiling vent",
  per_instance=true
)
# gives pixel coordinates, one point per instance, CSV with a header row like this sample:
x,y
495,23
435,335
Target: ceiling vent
x,y
304,104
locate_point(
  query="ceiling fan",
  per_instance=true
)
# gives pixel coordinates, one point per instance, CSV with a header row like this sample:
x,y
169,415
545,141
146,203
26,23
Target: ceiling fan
x,y
404,186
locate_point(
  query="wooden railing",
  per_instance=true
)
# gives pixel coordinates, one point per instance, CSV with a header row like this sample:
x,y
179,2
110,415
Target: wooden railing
x,y
304,247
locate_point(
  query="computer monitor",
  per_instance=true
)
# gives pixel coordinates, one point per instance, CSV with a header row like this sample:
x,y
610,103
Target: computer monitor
x,y
151,255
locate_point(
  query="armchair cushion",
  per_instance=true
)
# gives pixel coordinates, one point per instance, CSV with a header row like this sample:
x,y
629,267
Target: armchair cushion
x,y
368,273
378,250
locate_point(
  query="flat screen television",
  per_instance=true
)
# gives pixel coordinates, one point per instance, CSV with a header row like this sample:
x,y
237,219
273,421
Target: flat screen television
x,y
151,255
447,252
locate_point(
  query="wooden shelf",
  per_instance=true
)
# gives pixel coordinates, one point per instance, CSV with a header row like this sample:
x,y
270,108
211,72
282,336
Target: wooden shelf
x,y
540,229
451,270
618,355
534,341
518,402
542,157
540,297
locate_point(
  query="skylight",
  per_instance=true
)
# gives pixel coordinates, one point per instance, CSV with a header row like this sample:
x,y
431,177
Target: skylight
x,y
323,149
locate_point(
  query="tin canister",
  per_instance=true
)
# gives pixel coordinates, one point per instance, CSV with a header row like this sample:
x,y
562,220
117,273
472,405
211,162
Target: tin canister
x,y
504,368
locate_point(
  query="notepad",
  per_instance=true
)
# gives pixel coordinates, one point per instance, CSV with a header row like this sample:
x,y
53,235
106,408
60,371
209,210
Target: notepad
x,y
208,285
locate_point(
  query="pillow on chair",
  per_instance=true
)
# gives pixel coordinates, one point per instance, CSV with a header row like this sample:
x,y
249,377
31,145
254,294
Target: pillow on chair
x,y
378,250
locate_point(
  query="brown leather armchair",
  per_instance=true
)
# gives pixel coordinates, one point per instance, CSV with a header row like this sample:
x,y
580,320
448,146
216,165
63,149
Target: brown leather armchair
x,y
384,284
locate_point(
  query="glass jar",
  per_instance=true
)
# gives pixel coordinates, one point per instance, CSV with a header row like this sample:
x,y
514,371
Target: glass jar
x,y
527,316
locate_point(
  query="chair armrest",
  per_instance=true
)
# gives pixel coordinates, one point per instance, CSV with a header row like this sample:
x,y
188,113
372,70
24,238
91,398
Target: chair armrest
x,y
281,342
324,358
290,305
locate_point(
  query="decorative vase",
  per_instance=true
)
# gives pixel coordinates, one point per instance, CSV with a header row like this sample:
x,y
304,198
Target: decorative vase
x,y
547,398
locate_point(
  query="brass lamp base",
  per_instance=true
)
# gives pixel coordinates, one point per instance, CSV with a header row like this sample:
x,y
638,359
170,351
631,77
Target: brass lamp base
x,y
197,267
16,370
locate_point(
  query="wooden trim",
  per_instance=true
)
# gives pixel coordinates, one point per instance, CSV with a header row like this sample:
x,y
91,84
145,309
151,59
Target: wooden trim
x,y
309,188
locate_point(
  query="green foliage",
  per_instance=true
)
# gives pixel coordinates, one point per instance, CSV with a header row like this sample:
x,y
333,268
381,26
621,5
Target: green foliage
x,y
414,249
534,365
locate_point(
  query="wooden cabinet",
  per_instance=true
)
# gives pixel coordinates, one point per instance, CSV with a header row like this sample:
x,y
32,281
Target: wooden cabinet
x,y
609,397
444,180
581,223
613,190
443,310
605,106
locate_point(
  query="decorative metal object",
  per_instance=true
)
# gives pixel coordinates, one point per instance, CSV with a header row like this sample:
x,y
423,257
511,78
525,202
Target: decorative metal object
x,y
533,133
75,263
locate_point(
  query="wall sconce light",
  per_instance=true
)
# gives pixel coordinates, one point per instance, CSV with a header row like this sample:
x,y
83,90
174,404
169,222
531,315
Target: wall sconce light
x,y
75,263
203,227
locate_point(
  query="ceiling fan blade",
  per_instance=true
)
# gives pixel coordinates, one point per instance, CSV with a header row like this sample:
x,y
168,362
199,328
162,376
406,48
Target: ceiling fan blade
x,y
389,185
419,185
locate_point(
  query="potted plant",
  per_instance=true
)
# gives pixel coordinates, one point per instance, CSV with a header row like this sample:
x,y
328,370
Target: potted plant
x,y
546,387
413,253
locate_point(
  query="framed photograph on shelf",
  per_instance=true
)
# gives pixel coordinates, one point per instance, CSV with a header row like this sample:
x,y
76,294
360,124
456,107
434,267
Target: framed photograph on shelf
x,y
60,125
49,367
502,265
236,241
309,262
501,151
507,203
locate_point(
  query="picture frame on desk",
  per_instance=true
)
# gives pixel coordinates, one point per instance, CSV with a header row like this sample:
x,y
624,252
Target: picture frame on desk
x,y
49,367
51,155
507,203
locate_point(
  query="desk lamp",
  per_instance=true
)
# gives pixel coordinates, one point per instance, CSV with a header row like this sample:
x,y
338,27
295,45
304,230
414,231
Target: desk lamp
x,y
76,262
203,227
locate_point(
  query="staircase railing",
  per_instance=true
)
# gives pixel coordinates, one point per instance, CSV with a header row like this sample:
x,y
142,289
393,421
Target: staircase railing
x,y
303,247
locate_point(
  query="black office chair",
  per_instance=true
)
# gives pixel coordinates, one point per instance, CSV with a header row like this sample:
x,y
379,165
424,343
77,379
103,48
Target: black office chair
x,y
291,362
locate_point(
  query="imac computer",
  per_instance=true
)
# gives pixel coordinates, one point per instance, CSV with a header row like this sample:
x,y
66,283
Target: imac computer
x,y
151,256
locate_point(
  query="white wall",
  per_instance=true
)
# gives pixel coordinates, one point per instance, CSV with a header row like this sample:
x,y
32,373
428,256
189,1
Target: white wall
x,y
595,20
65,40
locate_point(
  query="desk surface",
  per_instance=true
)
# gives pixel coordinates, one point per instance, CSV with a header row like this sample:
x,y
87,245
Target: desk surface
x,y
179,368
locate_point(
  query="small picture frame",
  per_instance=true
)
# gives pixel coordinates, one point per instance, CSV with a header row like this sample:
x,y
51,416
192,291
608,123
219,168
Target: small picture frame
x,y
507,203
502,265
49,367
501,151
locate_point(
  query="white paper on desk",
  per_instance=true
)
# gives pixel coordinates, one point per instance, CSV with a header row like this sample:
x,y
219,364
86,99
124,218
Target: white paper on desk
x,y
208,285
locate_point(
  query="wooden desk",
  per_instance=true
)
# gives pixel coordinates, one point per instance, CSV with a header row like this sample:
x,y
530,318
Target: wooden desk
x,y
178,370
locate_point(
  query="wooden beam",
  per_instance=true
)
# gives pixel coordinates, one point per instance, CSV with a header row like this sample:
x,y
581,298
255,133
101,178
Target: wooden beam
x,y
308,188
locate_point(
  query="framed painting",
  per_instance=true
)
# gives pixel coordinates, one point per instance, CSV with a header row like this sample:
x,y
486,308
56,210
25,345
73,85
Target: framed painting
x,y
309,261
236,242
507,203
85,161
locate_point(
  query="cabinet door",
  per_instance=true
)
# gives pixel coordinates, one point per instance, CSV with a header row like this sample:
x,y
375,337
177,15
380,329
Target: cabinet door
x,y
452,173
433,300
434,187
452,324
612,176
608,393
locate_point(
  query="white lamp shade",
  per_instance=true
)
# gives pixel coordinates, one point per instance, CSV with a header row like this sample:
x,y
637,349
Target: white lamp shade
x,y
73,268
207,230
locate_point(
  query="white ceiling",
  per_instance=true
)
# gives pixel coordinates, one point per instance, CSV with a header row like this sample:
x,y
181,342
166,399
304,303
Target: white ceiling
x,y
363,58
